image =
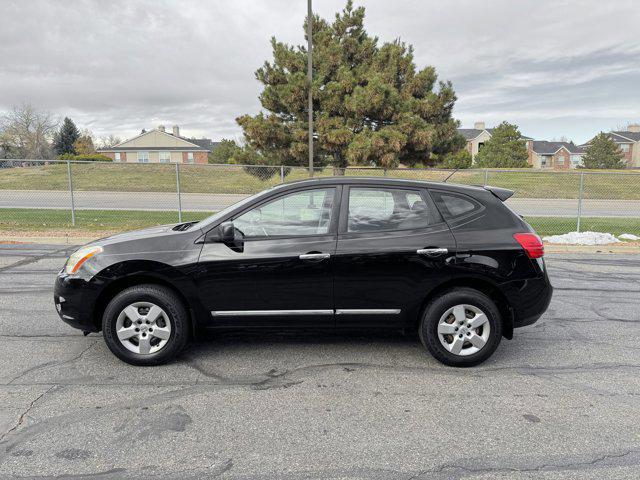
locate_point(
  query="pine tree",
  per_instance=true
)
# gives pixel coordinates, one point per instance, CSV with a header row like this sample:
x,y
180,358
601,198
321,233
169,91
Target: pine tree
x,y
603,152
66,137
505,149
371,105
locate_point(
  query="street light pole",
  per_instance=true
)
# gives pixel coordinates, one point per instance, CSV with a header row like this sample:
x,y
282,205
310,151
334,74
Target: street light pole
x,y
310,82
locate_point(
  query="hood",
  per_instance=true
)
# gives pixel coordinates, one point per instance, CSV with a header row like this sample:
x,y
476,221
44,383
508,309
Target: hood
x,y
142,234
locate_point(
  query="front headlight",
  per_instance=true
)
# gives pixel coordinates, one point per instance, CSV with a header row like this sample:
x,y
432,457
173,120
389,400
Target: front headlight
x,y
79,257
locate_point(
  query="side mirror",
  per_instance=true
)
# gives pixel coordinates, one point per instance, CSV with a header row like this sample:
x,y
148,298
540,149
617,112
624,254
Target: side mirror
x,y
227,233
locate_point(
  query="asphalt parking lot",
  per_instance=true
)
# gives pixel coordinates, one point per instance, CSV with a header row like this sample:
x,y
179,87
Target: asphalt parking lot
x,y
561,400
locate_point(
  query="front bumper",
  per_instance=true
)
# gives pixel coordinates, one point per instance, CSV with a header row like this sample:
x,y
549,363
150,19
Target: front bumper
x,y
75,299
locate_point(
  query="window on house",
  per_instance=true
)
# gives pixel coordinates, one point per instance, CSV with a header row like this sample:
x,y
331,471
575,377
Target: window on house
x,y
545,160
560,160
143,157
576,160
190,157
624,147
117,157
165,157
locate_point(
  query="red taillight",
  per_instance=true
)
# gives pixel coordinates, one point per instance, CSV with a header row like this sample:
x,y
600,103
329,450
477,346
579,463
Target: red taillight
x,y
531,243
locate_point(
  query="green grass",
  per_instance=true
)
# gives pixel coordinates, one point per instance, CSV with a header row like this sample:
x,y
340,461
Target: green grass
x,y
25,219
559,225
233,179
40,220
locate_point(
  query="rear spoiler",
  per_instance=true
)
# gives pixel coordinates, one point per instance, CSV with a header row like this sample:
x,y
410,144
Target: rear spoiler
x,y
501,193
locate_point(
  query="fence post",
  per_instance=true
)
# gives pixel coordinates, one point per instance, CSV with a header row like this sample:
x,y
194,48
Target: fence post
x,y
73,203
384,172
281,173
580,194
178,191
486,177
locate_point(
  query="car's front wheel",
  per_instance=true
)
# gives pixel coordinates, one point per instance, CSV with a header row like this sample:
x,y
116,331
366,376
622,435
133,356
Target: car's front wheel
x,y
462,327
145,325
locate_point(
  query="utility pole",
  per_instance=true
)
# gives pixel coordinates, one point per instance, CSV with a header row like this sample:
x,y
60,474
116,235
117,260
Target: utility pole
x,y
310,82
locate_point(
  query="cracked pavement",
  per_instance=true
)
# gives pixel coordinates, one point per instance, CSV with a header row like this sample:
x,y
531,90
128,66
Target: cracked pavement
x,y
560,400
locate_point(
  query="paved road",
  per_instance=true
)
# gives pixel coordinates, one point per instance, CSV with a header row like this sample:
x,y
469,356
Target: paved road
x,y
561,400
215,202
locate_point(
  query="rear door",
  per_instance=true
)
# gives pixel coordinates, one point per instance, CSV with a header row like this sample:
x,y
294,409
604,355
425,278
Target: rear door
x,y
393,247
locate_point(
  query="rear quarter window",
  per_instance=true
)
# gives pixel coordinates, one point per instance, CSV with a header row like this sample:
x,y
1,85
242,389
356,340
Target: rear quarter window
x,y
455,205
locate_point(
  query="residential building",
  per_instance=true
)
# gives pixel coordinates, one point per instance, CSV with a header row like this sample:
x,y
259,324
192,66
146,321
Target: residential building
x,y
478,135
555,155
629,143
159,146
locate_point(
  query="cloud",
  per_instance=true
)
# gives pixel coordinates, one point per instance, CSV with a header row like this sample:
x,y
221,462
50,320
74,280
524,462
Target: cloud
x,y
119,66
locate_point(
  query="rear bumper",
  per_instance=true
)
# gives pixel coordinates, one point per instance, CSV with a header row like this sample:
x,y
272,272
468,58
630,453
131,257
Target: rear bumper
x,y
532,301
74,299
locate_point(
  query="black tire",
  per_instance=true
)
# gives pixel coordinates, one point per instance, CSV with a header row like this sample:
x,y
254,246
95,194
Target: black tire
x,y
437,307
165,299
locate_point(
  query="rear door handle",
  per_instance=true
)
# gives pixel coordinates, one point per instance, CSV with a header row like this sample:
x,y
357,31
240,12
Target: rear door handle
x,y
432,252
314,256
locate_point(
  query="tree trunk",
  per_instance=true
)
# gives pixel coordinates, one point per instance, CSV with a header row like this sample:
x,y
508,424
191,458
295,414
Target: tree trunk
x,y
339,164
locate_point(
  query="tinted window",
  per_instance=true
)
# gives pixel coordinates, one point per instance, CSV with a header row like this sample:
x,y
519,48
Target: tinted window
x,y
380,209
455,205
301,213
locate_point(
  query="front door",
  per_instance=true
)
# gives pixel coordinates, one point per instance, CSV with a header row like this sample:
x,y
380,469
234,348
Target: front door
x,y
282,273
393,247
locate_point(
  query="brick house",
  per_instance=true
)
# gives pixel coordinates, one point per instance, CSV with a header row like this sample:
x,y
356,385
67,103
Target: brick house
x,y
629,143
555,155
478,135
158,146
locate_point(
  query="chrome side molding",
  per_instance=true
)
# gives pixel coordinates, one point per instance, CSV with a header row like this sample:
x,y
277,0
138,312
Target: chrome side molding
x,y
268,313
368,311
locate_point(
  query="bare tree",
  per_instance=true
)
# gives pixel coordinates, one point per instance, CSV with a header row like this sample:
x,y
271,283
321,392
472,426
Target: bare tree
x,y
108,141
27,133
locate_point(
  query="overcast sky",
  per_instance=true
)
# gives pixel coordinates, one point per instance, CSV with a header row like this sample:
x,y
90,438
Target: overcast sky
x,y
554,67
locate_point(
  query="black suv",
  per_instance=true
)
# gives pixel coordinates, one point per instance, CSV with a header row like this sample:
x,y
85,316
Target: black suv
x,y
450,261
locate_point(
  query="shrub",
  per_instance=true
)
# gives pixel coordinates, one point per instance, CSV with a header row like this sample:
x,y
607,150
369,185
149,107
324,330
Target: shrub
x,y
459,159
89,157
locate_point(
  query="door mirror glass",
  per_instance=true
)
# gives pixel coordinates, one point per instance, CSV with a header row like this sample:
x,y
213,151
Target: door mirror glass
x,y
227,233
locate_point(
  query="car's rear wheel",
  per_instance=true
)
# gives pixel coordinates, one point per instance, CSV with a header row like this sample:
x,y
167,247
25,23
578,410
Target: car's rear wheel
x,y
145,325
462,327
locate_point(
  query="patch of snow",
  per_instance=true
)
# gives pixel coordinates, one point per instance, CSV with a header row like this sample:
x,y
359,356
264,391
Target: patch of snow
x,y
629,236
583,238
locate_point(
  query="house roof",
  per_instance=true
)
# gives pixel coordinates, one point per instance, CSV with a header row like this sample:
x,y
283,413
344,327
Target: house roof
x,y
627,137
203,142
471,133
180,143
543,147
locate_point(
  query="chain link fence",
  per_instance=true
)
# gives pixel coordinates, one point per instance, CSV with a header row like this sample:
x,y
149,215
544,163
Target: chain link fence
x,y
63,196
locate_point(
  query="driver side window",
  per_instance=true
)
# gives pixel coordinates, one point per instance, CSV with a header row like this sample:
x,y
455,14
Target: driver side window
x,y
297,214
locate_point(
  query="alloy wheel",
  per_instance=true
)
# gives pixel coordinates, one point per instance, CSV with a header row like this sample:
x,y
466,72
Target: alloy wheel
x,y
463,329
143,328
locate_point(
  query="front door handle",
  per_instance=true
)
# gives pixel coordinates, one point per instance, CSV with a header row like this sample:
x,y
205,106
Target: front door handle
x,y
432,252
314,256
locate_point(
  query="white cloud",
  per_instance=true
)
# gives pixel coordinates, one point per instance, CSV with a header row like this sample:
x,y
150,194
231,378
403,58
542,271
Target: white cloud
x,y
119,66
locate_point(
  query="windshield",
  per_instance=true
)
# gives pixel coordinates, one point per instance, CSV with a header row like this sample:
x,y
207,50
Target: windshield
x,y
217,216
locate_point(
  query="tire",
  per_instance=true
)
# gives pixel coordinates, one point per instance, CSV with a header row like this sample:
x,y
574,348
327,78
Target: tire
x,y
153,324
441,325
